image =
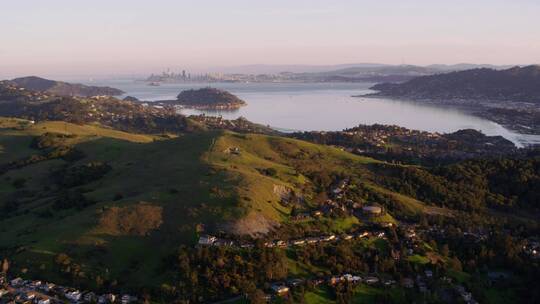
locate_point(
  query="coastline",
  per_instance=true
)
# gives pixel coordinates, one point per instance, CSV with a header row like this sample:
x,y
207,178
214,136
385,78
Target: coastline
x,y
479,108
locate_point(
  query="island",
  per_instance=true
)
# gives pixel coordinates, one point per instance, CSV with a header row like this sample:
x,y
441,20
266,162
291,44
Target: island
x,y
206,99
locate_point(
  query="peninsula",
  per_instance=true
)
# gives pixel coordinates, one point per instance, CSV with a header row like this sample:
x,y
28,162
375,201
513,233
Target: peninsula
x,y
509,97
61,88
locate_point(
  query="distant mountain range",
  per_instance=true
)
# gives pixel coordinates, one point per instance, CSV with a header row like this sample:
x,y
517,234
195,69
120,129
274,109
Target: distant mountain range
x,y
61,88
380,73
513,84
338,68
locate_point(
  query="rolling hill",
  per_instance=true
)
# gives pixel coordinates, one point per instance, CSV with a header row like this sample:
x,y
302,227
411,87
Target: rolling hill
x,y
130,191
514,84
117,204
61,88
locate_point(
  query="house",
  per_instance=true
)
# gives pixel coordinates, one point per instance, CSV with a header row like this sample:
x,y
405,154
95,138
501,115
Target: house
x,y
334,280
351,278
47,287
347,277
329,238
106,298
298,242
35,284
363,234
89,297
280,289
371,280
207,240
317,213
29,296
102,300
312,240
281,243
220,242
372,210
127,299
3,292
16,282
110,297
74,296
467,296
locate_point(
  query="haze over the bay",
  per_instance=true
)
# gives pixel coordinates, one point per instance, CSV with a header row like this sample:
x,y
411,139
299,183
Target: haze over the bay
x,y
61,37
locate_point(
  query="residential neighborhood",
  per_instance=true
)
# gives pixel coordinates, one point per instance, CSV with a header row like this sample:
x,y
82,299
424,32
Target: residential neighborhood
x,y
18,290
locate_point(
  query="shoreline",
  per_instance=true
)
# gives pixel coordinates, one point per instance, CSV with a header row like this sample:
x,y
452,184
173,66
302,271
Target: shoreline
x,y
477,108
175,103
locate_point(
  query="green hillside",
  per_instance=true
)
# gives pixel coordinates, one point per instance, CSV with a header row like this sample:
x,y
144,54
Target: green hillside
x,y
98,208
140,196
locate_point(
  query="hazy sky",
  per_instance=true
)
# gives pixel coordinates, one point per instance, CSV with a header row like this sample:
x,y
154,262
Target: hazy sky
x,y
135,36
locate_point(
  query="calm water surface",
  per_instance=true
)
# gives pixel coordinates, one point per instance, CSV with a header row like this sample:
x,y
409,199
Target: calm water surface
x,y
324,106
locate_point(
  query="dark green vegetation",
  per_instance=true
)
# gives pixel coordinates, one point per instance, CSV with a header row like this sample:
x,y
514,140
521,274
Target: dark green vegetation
x,y
514,84
101,208
61,88
53,204
505,184
209,98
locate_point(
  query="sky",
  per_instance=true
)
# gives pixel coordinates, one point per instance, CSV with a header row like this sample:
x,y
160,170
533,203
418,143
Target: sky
x,y
98,37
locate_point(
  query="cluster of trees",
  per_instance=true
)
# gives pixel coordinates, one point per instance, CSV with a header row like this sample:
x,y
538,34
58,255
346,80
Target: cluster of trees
x,y
81,174
471,185
207,273
49,140
505,181
501,251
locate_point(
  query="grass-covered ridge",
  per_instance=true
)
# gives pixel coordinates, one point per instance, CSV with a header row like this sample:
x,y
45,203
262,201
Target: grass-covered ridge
x,y
143,195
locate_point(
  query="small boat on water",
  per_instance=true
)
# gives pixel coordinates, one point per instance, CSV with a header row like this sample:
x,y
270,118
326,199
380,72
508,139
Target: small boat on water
x,y
154,84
